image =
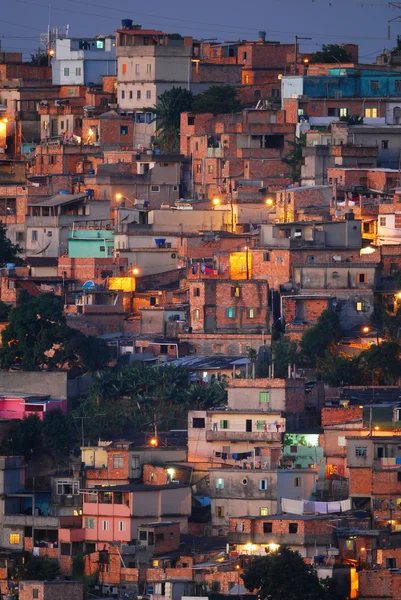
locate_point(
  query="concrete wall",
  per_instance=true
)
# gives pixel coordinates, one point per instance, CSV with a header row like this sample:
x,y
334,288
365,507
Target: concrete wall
x,y
189,221
287,488
53,384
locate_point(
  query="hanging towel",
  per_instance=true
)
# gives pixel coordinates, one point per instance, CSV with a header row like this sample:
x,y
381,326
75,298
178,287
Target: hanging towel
x,y
294,507
321,507
345,505
333,507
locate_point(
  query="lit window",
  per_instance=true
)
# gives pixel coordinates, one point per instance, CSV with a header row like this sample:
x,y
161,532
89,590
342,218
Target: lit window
x,y
219,511
210,169
230,312
219,483
235,292
123,68
264,512
359,306
148,68
15,538
118,461
371,113
99,44
124,130
343,112
251,313
196,314
341,440
361,451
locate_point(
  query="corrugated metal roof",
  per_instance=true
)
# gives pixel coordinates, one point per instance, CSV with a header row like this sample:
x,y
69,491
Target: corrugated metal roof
x,y
58,200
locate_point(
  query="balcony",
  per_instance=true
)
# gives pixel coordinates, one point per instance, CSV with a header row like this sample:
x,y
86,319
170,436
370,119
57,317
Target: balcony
x,y
31,521
288,539
243,436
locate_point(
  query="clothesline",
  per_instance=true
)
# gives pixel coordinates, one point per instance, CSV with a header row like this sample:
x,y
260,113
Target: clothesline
x,y
302,507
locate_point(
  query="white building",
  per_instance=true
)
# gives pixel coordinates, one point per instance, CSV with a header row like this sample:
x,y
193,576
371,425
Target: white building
x,y
149,63
82,61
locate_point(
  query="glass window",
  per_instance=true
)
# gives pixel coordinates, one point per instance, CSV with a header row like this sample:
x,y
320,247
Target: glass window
x,y
138,94
230,312
297,482
264,512
122,526
100,44
148,94
89,523
263,484
267,527
66,71
196,314
371,113
14,538
260,425
220,483
118,461
251,313
137,69
341,440
343,112
34,235
105,525
361,451
293,528
224,424
148,68
264,397
124,130
219,511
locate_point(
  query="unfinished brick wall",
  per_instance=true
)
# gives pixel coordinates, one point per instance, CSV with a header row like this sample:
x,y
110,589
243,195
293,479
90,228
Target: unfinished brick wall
x,y
342,414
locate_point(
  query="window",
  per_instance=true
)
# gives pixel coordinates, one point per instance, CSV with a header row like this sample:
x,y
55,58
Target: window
x,y
198,423
148,95
105,525
398,85
361,451
122,94
391,563
257,93
235,292
382,221
343,112
260,425
251,313
230,312
361,278
374,84
191,120
219,483
148,68
66,71
264,512
266,256
264,397
263,484
89,523
385,144
14,538
122,526
224,424
199,168
293,528
359,307
123,68
210,169
100,44
19,236
143,536
311,260
279,259
123,129
34,237
137,69
138,94
131,94
331,112
196,314
197,292
219,511
371,113
155,188
67,488
267,527
341,440
218,348
35,593
297,482
118,461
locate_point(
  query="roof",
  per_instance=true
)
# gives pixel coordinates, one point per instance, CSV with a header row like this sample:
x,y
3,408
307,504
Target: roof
x,y
58,200
141,31
209,362
288,517
41,261
30,287
138,487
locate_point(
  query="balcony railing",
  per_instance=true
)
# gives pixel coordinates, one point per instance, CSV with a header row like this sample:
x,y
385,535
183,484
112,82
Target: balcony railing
x,y
243,436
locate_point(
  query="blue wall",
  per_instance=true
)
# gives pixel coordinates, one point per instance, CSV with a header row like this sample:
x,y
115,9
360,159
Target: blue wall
x,y
352,84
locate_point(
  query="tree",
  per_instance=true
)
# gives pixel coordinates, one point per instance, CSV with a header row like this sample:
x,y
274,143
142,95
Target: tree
x,y
382,363
168,113
4,311
38,337
317,339
8,251
40,568
57,434
353,120
285,352
331,53
24,438
294,158
339,369
217,99
283,575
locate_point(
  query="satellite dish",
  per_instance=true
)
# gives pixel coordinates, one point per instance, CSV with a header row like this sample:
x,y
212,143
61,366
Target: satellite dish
x,y
88,285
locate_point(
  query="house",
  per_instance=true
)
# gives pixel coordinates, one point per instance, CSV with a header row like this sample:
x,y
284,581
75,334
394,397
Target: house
x,y
65,590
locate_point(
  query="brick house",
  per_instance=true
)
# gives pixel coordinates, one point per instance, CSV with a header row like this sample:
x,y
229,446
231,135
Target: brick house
x,y
46,590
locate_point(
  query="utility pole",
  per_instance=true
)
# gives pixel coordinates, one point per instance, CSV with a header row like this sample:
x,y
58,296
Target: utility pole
x,y
297,37
396,19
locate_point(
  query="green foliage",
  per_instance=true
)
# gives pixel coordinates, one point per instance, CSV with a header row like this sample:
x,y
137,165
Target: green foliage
x,y
168,112
38,337
283,575
317,339
217,99
78,566
331,53
285,352
40,568
4,311
8,251
175,36
140,396
382,363
40,60
353,120
57,434
24,438
294,158
339,369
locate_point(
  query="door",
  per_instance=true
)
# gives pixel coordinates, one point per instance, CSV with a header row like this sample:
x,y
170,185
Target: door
x,y
249,425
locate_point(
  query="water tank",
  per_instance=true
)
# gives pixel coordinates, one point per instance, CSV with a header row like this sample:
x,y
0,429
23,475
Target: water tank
x,y
262,36
89,192
126,23
160,242
64,192
349,215
10,266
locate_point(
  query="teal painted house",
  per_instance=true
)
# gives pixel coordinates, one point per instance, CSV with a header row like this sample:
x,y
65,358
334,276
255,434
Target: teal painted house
x,y
91,243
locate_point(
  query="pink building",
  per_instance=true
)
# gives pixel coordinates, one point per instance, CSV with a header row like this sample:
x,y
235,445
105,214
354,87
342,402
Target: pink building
x,y
113,514
18,406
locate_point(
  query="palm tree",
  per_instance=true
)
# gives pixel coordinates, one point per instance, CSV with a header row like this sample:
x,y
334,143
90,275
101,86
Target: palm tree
x,y
168,114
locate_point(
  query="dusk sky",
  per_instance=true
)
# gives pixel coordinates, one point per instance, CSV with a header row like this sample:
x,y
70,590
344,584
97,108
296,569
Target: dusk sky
x,y
364,23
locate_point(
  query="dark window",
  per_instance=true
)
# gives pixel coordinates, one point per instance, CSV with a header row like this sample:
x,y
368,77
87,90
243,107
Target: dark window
x,y
124,130
267,527
65,549
293,528
374,84
35,593
143,536
257,93
266,256
197,291
163,349
391,563
331,112
191,120
398,85
399,476
198,422
159,537
385,145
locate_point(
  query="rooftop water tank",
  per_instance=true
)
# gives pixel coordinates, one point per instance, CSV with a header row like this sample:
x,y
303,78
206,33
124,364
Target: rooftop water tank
x,y
10,266
64,192
126,23
262,36
89,192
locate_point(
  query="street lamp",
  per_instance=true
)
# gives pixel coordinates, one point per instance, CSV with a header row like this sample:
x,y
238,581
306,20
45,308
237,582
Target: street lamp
x,y
216,201
135,271
269,201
